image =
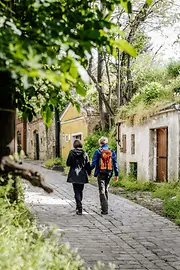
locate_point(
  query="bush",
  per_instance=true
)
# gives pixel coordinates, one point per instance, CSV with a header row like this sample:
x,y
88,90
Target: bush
x,y
130,183
172,208
165,191
174,68
54,161
23,246
91,142
152,92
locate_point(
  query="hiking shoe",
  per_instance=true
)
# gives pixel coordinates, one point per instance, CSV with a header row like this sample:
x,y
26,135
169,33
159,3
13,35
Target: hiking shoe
x,y
79,212
104,213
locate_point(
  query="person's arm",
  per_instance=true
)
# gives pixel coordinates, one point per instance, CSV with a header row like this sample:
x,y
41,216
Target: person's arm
x,y
115,166
88,167
69,160
94,159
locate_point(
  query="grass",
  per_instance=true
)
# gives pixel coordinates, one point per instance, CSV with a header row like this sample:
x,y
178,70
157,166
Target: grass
x,y
149,101
168,193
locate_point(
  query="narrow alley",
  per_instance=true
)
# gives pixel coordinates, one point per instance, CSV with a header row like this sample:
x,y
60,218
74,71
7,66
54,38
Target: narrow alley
x,y
130,236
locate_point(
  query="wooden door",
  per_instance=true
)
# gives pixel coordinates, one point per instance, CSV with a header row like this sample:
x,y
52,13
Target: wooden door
x,y
162,154
36,146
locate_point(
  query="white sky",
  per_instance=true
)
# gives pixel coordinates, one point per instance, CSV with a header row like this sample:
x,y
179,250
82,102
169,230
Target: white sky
x,y
166,38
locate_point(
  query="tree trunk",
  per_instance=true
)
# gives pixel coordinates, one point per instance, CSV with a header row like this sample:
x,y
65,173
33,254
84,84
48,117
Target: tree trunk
x,y
7,120
7,138
126,83
99,79
7,115
110,90
119,94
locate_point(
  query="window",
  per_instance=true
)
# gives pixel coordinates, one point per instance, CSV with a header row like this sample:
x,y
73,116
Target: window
x,y
133,169
77,136
132,143
18,137
67,137
124,143
63,140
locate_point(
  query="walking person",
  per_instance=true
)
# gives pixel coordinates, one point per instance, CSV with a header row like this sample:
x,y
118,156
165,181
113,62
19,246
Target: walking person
x,y
104,161
79,164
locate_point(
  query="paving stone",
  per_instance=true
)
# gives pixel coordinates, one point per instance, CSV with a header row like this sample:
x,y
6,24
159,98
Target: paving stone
x,y
130,236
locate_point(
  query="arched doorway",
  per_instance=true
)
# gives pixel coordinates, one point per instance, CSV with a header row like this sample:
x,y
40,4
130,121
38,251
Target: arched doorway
x,y
19,142
36,145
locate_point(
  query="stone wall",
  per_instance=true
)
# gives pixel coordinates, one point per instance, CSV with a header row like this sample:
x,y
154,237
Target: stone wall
x,y
39,133
146,146
21,135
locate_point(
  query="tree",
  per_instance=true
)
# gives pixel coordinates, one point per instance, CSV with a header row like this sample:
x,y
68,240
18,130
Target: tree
x,y
50,40
136,26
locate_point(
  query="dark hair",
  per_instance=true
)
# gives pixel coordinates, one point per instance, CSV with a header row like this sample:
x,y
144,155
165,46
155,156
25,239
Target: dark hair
x,y
77,144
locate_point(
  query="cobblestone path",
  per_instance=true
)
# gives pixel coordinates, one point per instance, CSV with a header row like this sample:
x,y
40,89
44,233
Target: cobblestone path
x,y
130,236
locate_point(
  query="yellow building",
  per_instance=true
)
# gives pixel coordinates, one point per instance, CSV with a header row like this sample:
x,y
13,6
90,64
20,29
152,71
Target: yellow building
x,y
75,125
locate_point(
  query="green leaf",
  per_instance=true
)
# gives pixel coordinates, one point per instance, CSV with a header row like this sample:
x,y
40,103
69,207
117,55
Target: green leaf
x,y
149,2
126,4
78,107
47,114
123,45
81,90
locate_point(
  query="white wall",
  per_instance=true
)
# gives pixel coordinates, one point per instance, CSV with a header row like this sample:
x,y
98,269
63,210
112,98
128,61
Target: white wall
x,y
145,145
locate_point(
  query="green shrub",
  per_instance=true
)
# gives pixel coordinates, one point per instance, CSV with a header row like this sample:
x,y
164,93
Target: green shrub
x,y
23,246
174,68
91,142
54,161
152,92
165,191
131,184
172,208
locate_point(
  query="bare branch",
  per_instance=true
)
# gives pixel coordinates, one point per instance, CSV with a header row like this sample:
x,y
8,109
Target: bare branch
x,y
34,177
101,94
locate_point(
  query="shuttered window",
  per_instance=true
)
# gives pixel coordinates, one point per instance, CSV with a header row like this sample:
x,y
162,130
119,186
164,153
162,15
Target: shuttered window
x,y
132,143
124,143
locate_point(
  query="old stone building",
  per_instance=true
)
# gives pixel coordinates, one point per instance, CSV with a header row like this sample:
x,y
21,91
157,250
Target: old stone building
x,y
39,142
36,139
151,150
21,135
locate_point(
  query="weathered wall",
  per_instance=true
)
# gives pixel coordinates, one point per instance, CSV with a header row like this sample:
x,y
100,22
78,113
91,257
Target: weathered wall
x,y
21,127
145,145
70,129
74,123
46,139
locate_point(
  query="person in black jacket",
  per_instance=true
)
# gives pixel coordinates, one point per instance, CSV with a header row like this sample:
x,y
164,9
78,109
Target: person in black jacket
x,y
78,162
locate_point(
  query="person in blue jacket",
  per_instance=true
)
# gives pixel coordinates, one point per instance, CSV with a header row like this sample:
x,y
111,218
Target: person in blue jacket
x,y
104,174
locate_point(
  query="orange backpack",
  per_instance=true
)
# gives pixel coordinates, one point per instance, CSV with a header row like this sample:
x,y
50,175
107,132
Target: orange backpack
x,y
105,161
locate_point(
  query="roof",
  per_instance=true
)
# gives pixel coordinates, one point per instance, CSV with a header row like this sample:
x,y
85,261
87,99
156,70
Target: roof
x,y
89,110
168,108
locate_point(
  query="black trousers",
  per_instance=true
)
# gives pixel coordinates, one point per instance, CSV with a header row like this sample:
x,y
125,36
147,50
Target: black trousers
x,y
78,195
103,183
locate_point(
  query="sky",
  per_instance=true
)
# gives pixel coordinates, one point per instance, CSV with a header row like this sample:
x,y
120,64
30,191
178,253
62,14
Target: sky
x,y
167,36
166,39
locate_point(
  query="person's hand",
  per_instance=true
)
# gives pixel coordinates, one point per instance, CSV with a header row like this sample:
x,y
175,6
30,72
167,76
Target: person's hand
x,y
115,178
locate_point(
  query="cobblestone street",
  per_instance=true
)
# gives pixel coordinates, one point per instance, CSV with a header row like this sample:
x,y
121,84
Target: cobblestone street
x,y
130,236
